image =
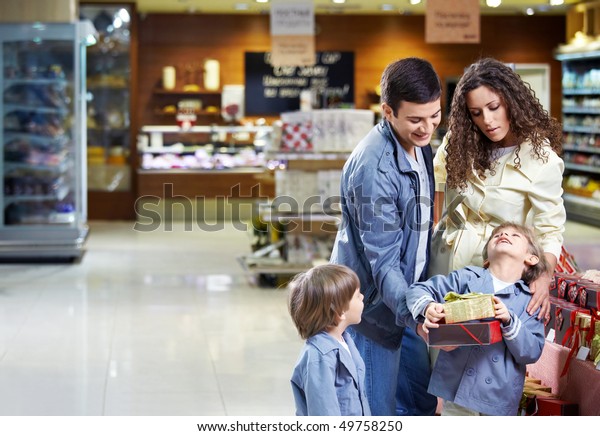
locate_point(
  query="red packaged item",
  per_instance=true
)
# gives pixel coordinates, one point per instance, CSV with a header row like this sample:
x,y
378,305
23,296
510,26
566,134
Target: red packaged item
x,y
555,407
466,333
563,314
566,263
574,287
589,296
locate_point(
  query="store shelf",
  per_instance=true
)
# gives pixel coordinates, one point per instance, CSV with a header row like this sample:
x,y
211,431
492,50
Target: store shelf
x,y
582,209
581,118
584,168
581,129
581,110
581,91
180,92
581,149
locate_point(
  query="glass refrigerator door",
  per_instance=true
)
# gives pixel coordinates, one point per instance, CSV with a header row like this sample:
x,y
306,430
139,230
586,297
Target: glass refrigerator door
x,y
108,90
42,138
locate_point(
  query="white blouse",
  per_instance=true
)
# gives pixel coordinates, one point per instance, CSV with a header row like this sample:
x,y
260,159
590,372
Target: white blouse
x,y
529,195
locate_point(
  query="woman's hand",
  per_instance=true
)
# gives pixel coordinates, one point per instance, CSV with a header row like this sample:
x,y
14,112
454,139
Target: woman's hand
x,y
540,290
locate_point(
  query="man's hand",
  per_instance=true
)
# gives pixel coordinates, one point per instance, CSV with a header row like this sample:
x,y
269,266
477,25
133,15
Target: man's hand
x,y
422,333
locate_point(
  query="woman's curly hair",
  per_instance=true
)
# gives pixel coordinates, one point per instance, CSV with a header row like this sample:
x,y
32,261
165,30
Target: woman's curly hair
x,y
469,149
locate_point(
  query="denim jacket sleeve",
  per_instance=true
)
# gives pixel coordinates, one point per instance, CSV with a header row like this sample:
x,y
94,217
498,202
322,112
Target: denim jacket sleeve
x,y
524,337
381,232
320,386
420,294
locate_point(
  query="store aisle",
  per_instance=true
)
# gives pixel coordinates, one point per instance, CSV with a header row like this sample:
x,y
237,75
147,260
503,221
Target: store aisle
x,y
159,323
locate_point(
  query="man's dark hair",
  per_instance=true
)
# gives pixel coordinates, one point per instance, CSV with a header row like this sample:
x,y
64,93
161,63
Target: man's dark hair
x,y
411,79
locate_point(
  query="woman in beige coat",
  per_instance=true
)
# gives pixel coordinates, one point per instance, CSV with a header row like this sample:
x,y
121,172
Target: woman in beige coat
x,y
499,162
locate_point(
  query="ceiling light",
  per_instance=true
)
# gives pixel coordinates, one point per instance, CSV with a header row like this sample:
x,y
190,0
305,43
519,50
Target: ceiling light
x,y
529,11
339,1
493,3
414,2
262,1
556,2
124,15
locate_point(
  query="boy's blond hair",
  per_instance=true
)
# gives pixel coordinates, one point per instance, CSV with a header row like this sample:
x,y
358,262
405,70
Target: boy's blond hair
x,y
533,272
319,296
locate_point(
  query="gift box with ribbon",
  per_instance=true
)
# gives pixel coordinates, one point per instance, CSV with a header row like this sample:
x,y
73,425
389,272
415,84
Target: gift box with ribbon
x,y
564,317
593,339
559,283
576,335
468,307
465,333
589,296
575,288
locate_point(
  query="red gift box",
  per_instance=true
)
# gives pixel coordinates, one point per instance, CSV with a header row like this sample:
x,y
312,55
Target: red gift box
x,y
589,296
574,288
466,333
557,279
555,407
563,314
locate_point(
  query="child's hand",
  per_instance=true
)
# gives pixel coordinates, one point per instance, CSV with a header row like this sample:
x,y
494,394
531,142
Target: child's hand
x,y
501,310
433,314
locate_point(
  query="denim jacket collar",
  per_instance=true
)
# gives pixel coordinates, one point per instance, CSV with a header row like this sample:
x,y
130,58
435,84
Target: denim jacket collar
x,y
326,343
392,155
484,283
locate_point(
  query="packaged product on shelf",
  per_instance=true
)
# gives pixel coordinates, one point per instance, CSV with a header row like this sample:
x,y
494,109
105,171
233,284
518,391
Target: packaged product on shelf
x,y
467,333
566,263
467,307
564,320
594,340
592,275
589,296
555,407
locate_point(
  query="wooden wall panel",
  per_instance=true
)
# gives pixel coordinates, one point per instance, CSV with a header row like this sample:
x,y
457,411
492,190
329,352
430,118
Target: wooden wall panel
x,y
176,39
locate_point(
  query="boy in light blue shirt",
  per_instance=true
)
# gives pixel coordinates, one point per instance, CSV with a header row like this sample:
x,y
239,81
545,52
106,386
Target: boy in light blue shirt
x,y
329,377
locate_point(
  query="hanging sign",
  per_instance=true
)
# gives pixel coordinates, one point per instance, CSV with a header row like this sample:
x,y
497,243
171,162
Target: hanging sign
x,y
292,33
456,21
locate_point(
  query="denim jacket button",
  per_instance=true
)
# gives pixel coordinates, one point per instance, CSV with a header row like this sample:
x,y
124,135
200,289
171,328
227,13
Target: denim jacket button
x,y
496,358
470,371
488,380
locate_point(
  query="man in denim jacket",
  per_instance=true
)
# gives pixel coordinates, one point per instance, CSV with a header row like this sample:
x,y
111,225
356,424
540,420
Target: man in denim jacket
x,y
386,197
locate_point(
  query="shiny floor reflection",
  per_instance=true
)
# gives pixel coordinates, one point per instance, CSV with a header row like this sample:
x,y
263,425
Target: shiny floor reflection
x,y
159,323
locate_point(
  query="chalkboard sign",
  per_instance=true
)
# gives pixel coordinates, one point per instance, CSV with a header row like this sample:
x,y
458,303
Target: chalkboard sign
x,y
271,90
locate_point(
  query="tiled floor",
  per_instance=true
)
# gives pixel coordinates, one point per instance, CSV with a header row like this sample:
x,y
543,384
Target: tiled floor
x,y
159,323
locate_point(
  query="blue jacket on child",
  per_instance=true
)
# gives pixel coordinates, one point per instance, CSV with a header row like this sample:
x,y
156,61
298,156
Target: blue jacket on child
x,y
490,378
329,381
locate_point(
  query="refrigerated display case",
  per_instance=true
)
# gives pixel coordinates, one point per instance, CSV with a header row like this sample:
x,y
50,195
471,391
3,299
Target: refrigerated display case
x,y
110,74
42,136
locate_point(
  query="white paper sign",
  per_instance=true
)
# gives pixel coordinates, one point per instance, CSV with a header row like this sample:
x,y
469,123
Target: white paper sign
x,y
292,17
550,336
583,353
